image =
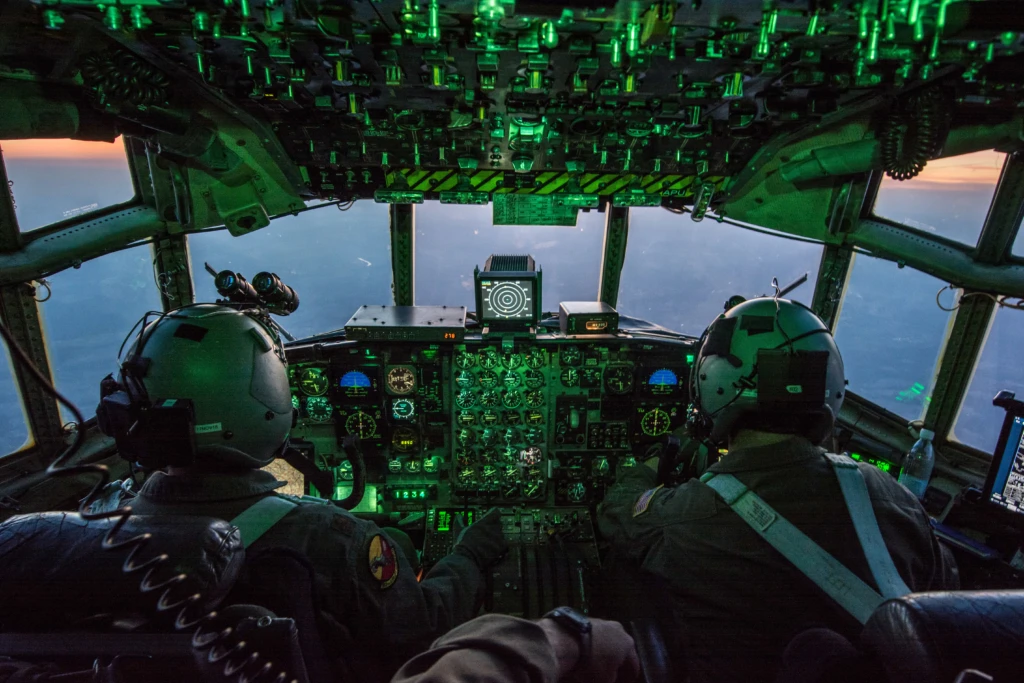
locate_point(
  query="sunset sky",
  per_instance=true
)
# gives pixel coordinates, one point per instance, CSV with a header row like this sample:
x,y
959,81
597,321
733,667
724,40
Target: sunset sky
x,y
63,149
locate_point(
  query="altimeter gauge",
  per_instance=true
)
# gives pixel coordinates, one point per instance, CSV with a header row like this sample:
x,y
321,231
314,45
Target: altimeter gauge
x,y
319,409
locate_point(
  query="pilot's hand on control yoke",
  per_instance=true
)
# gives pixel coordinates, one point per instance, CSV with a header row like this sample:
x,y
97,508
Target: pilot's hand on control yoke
x,y
483,541
612,659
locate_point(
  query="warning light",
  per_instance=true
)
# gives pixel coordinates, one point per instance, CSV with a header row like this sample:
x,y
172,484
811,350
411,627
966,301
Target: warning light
x,y
855,456
689,359
882,465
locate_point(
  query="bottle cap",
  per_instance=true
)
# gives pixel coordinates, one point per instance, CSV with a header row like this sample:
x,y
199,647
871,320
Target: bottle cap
x,y
927,434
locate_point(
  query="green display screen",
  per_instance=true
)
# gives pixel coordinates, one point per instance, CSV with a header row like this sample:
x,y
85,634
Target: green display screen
x,y
883,465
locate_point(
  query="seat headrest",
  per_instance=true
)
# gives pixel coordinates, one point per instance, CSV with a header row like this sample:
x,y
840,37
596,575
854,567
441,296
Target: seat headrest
x,y
935,636
56,572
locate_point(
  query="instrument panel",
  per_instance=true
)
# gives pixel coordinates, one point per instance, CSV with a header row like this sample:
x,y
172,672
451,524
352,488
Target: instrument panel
x,y
512,421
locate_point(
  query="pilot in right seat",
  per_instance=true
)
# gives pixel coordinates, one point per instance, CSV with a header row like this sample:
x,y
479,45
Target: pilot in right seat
x,y
374,612
768,381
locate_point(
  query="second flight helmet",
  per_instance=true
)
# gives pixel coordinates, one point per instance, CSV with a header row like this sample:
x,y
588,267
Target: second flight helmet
x,y
771,365
231,365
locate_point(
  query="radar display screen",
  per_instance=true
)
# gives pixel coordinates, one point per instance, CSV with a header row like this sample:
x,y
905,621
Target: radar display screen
x,y
507,299
1005,486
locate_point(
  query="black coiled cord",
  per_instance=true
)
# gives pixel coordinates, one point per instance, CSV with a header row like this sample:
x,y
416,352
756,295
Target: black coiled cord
x,y
121,78
913,133
240,661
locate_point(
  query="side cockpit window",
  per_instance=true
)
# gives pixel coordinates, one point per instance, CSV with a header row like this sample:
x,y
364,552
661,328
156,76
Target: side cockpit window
x,y
949,199
890,332
89,311
54,180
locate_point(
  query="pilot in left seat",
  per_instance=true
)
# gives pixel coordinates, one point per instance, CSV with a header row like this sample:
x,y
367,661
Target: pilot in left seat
x,y
222,374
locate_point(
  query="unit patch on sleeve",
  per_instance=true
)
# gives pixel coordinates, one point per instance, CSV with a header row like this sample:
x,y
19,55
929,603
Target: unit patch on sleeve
x,y
644,501
383,561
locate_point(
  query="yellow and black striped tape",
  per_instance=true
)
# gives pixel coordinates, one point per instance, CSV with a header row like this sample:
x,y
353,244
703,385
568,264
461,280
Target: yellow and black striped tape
x,y
549,182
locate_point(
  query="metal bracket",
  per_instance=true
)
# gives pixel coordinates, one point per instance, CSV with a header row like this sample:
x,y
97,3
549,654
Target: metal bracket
x,y
403,253
833,274
616,232
172,272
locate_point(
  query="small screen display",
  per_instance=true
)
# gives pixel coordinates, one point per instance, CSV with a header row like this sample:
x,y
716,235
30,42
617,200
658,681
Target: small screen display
x,y
507,299
664,381
1008,484
357,383
444,520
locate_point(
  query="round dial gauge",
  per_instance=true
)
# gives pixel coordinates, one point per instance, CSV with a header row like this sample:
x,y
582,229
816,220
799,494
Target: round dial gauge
x,y
577,491
489,359
345,470
599,467
401,380
466,477
403,409
534,435
512,399
489,436
570,377
431,404
318,408
465,399
488,380
465,436
463,457
535,359
511,435
488,456
489,399
361,424
489,417
489,475
512,360
530,456
534,379
430,465
534,485
395,466
570,355
404,439
618,379
465,360
313,382
466,418
413,465
511,380
655,422
465,379
534,398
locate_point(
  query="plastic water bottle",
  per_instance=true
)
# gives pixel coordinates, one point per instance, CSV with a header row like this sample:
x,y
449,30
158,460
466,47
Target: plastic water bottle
x,y
917,466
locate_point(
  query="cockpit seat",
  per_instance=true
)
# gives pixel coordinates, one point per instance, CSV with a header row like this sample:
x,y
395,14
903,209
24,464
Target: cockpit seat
x,y
921,637
75,594
936,636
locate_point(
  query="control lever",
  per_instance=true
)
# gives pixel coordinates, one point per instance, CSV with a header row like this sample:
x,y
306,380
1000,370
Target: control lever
x,y
323,480
355,456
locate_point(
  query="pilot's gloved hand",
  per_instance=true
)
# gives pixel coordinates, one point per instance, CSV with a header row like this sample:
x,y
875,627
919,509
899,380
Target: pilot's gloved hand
x,y
483,541
612,658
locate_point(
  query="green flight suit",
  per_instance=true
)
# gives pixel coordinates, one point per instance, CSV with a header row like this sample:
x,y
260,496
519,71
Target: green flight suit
x,y
737,601
373,622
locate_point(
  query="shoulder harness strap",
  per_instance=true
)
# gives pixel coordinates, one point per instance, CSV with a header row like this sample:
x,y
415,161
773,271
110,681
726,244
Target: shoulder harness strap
x,y
858,502
842,585
261,516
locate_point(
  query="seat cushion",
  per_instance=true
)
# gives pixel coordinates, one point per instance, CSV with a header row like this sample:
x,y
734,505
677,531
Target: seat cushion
x,y
935,636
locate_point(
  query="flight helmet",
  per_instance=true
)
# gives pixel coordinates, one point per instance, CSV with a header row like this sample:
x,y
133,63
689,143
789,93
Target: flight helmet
x,y
227,365
768,364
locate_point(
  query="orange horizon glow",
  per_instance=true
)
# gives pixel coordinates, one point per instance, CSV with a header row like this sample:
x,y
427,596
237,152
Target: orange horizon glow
x,y
976,168
72,150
